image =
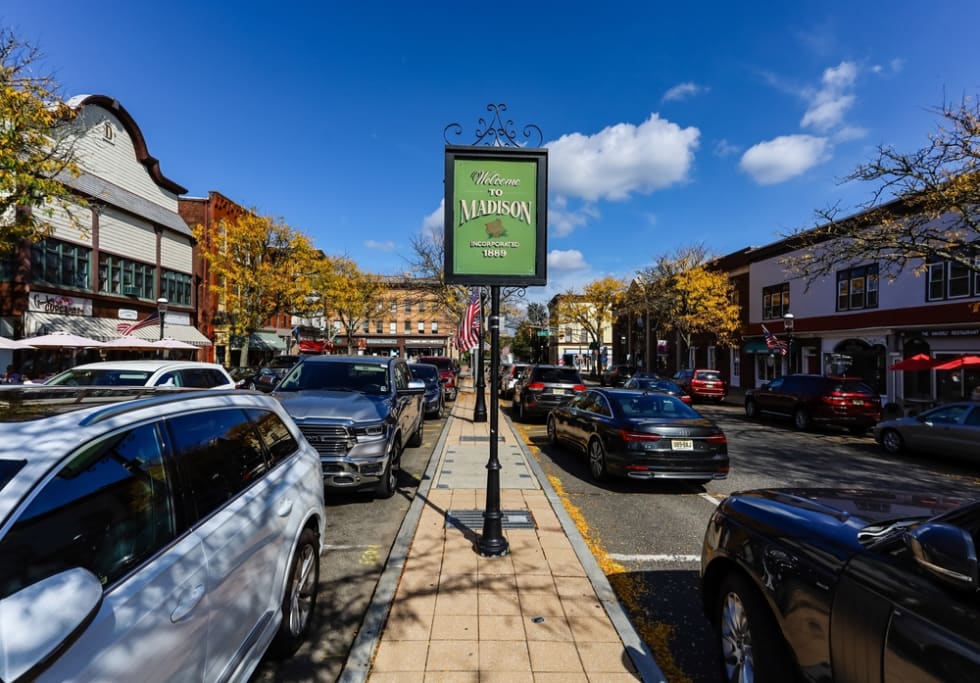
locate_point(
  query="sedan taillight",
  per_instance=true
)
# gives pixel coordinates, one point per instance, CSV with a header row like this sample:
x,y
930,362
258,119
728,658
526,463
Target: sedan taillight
x,y
579,387
536,386
629,436
717,438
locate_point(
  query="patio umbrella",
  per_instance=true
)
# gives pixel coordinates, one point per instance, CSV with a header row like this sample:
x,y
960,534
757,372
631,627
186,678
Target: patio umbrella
x,y
62,340
171,343
13,344
919,361
959,363
132,343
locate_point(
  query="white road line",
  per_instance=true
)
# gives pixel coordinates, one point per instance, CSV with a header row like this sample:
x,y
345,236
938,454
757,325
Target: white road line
x,y
711,499
348,547
667,557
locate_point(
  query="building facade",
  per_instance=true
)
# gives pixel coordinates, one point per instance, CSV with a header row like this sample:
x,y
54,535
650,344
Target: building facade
x,y
110,258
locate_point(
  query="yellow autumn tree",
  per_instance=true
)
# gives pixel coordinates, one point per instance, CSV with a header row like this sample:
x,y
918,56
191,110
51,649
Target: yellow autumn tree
x,y
594,307
37,154
264,267
347,294
685,296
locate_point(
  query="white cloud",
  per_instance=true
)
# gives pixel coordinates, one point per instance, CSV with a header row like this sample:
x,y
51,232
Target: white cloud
x,y
828,105
622,159
380,246
562,220
682,91
571,259
435,221
724,148
784,157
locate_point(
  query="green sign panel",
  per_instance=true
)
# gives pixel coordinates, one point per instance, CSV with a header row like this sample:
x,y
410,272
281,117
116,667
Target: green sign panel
x,y
544,333
496,227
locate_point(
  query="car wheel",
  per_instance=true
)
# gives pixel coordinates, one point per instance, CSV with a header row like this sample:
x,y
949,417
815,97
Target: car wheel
x,y
521,411
452,396
752,648
750,409
891,442
801,419
299,602
389,479
597,460
552,431
251,385
416,439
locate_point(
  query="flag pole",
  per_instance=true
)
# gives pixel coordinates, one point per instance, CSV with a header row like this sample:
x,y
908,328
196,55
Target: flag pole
x,y
480,410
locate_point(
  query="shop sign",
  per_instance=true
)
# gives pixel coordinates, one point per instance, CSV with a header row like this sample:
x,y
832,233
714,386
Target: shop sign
x,y
380,341
59,303
975,332
496,215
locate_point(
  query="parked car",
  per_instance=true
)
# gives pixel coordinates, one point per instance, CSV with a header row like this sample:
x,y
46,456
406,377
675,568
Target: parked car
x,y
545,387
510,377
845,585
148,538
952,429
616,375
264,379
658,385
149,373
448,370
359,413
702,383
240,375
817,399
640,435
434,398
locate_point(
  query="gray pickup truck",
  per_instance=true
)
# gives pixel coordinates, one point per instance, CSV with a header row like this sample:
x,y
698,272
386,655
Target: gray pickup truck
x,y
359,413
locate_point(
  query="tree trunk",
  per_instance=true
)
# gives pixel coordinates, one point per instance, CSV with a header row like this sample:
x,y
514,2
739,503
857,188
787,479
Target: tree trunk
x,y
243,353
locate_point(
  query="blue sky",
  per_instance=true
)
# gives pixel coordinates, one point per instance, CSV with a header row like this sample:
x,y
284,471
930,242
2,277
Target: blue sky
x,y
722,123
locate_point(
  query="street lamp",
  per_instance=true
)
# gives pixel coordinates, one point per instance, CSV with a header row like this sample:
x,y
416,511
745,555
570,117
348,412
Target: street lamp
x,y
788,322
162,310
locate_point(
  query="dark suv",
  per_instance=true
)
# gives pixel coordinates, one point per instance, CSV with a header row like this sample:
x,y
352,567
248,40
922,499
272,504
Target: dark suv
x,y
448,370
817,399
544,387
359,413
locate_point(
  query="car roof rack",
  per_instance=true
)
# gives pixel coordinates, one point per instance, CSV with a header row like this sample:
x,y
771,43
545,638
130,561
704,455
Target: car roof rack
x,y
25,401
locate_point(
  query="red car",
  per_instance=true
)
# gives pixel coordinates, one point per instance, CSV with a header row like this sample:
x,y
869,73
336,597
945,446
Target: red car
x,y
448,370
702,383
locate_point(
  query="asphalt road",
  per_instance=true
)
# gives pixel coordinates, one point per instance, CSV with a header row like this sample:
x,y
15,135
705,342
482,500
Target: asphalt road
x,y
359,535
647,536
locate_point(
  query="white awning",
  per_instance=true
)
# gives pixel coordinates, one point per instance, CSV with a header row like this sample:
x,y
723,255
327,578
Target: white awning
x,y
184,333
101,329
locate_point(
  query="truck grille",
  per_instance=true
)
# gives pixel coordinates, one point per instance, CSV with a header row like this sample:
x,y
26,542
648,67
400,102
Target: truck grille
x,y
328,439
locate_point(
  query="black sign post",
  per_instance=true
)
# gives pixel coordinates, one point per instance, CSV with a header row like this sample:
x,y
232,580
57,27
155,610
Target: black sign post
x,y
495,234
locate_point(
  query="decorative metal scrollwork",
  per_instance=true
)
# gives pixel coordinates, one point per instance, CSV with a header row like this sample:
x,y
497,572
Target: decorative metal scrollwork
x,y
497,132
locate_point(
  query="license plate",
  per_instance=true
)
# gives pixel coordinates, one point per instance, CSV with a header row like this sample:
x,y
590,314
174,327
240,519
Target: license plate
x,y
682,444
858,402
558,391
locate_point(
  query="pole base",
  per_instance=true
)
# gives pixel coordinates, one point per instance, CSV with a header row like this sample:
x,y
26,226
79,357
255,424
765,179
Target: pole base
x,y
489,546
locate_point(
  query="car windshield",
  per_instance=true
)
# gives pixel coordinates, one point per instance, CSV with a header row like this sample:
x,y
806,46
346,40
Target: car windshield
x,y
441,363
79,377
424,372
558,375
367,378
851,387
654,406
710,375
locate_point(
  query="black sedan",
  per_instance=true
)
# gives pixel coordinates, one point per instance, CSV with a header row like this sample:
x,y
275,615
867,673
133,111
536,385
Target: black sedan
x,y
843,585
265,379
641,435
658,385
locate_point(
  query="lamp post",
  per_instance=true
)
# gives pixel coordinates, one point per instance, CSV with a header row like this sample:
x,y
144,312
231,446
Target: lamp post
x,y
162,310
788,322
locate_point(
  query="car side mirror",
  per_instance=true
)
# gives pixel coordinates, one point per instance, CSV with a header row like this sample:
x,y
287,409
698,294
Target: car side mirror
x,y
947,552
39,620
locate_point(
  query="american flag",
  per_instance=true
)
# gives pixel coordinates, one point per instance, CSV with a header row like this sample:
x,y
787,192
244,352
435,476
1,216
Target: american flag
x,y
468,334
127,328
774,343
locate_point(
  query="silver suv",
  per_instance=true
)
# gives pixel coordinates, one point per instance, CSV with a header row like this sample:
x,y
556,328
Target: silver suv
x,y
165,538
359,413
